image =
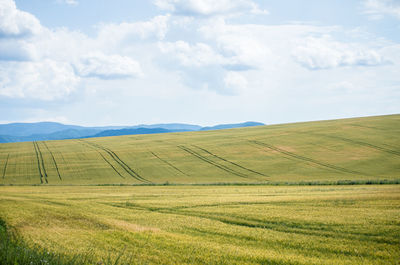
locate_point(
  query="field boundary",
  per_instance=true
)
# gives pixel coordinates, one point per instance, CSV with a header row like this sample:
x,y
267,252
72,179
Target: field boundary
x,y
277,183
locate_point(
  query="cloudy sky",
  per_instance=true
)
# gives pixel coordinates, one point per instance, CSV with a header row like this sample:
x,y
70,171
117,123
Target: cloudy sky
x,y
125,62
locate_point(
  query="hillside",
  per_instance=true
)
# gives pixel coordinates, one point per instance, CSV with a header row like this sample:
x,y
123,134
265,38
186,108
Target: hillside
x,y
348,149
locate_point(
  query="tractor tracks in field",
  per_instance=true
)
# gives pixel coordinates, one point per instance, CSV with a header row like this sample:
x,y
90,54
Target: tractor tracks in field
x,y
40,163
5,166
108,162
217,164
232,163
118,160
307,159
168,163
376,147
54,160
308,228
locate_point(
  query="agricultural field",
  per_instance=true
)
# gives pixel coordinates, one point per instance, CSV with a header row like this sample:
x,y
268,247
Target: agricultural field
x,y
348,224
276,194
326,151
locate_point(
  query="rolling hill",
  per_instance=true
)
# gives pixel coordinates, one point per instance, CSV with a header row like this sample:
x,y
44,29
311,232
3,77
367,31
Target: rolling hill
x,y
348,149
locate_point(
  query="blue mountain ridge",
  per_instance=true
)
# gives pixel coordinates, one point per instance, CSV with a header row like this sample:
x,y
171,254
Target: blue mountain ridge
x,y
41,131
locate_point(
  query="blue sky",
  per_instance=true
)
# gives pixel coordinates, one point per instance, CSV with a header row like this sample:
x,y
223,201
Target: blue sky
x,y
125,62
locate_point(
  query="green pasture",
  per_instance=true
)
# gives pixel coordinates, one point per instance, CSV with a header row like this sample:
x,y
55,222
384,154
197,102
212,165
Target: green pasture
x,y
324,151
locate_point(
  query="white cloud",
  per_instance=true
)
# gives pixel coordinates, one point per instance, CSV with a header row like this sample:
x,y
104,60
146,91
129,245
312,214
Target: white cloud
x,y
324,53
235,80
209,7
108,67
377,9
197,55
16,50
16,23
69,2
113,34
45,80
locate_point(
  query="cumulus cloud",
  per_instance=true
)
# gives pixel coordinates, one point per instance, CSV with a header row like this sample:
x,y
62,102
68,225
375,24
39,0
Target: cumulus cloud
x,y
324,53
196,55
69,2
235,80
108,67
44,80
16,23
154,29
16,50
377,9
209,7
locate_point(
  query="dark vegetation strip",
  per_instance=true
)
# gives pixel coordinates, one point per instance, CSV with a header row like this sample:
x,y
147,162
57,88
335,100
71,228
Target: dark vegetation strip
x,y
209,161
269,183
38,163
42,162
307,159
54,160
393,152
5,166
115,157
169,164
230,162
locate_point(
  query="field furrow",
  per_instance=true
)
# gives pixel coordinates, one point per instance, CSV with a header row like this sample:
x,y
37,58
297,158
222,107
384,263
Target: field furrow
x,y
213,163
168,163
54,160
5,166
307,159
38,163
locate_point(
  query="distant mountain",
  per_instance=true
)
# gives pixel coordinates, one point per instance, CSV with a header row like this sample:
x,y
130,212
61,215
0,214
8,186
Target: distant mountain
x,y
26,129
170,126
45,128
41,131
231,126
130,132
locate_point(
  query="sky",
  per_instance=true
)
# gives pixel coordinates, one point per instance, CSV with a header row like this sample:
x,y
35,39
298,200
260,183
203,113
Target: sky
x,y
127,62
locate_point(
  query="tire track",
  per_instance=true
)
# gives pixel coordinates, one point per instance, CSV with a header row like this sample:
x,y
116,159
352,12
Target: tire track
x,y
5,166
105,159
169,164
42,162
223,159
224,168
108,162
119,161
303,158
38,163
54,160
393,152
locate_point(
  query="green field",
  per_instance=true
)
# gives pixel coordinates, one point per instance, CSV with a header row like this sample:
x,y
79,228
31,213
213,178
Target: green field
x,y
350,149
212,224
262,195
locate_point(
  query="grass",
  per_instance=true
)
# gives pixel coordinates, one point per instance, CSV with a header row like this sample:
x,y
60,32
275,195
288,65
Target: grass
x,y
356,224
303,193
359,149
